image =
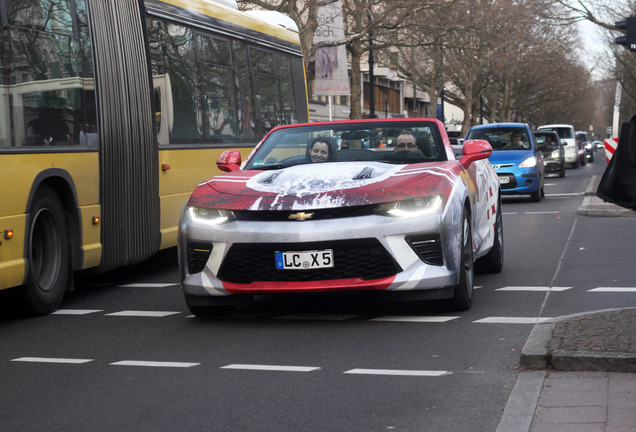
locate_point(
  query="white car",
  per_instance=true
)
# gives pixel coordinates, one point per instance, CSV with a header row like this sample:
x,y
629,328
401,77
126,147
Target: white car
x,y
568,141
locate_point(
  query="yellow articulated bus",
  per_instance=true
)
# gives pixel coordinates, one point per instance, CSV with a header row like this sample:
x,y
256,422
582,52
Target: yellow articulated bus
x,y
111,112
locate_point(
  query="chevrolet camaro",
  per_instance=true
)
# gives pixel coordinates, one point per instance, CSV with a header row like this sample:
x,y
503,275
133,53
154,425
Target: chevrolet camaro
x,y
376,206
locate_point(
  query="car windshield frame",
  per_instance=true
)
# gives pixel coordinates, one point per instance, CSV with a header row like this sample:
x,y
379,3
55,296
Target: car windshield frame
x,y
353,141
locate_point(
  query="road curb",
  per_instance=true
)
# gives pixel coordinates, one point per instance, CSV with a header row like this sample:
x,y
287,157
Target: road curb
x,y
570,361
522,403
536,354
594,206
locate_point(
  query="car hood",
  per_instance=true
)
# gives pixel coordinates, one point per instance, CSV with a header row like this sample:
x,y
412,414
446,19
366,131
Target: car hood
x,y
509,156
325,185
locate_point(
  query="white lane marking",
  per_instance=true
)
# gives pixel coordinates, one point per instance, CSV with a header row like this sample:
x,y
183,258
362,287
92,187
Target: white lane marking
x,y
326,317
614,289
532,288
137,313
52,360
76,311
427,319
512,320
148,285
154,364
542,212
565,194
509,213
398,372
271,368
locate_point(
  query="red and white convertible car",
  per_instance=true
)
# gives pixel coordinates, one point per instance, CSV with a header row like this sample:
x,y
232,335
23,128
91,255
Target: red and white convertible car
x,y
376,205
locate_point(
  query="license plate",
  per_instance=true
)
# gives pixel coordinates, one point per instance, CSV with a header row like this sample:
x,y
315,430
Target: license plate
x,y
504,179
306,260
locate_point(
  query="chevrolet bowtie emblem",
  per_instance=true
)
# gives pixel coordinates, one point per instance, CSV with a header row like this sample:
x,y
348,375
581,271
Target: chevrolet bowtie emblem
x,y
300,216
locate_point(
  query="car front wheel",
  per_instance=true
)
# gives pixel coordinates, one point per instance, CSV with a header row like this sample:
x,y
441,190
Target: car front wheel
x,y
463,291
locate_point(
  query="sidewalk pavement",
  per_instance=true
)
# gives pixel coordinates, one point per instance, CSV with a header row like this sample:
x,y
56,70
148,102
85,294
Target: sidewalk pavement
x,y
579,371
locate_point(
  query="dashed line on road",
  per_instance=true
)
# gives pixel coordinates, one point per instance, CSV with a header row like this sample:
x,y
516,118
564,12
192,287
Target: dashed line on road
x,y
154,364
259,367
512,320
533,288
565,194
51,360
148,285
76,311
398,372
614,289
406,318
137,313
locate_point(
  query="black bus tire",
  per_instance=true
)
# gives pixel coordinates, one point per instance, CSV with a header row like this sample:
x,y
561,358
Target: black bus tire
x,y
47,254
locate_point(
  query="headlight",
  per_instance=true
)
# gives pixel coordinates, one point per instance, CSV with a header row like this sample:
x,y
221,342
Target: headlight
x,y
413,207
588,145
555,154
210,216
529,163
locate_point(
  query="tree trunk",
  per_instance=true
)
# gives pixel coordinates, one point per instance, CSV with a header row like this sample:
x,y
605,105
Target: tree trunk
x,y
355,49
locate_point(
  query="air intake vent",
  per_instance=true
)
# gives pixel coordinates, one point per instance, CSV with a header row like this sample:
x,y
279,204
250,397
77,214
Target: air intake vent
x,y
428,248
366,173
365,259
198,254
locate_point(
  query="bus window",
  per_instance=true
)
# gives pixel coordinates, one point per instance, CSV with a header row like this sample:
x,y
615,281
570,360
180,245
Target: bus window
x,y
46,91
266,93
286,88
217,84
178,60
245,108
49,15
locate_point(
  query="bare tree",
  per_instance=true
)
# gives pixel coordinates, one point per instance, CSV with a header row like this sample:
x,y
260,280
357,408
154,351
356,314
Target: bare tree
x,y
382,19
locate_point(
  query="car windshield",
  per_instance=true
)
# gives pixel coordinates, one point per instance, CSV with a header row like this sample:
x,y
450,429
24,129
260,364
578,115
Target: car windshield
x,y
389,142
564,132
501,138
549,143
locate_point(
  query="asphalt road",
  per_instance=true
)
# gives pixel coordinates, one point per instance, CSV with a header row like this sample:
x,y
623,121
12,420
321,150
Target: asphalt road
x,y
123,353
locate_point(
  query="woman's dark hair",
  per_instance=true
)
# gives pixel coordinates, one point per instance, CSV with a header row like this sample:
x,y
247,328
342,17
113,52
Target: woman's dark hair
x,y
327,140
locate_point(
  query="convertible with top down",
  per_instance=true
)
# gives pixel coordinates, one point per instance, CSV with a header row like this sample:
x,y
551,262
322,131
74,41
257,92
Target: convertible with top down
x,y
377,206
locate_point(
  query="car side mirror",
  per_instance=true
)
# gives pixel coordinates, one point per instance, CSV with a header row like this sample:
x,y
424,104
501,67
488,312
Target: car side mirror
x,y
474,150
229,160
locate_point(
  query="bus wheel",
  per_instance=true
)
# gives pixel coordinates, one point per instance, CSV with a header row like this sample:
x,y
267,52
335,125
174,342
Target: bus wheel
x,y
47,254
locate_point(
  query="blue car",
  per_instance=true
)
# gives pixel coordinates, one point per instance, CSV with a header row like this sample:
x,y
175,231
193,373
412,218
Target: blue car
x,y
516,158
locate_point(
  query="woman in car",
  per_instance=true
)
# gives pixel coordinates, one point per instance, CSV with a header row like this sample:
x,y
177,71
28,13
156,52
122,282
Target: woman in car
x,y
320,149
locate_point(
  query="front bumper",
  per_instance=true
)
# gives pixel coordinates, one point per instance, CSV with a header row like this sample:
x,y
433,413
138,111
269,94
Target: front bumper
x,y
519,183
553,166
238,257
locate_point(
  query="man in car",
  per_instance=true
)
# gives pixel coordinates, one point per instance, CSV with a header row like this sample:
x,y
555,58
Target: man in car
x,y
516,142
405,141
